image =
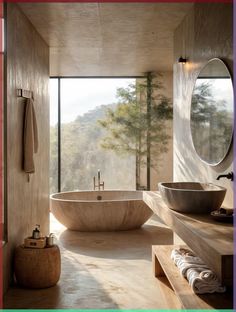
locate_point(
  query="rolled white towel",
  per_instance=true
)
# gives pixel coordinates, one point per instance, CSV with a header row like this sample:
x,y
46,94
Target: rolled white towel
x,y
184,259
192,259
203,282
176,255
192,274
188,262
208,276
180,254
184,267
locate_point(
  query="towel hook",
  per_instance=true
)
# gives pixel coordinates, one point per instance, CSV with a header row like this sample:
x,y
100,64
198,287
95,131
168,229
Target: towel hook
x,y
25,94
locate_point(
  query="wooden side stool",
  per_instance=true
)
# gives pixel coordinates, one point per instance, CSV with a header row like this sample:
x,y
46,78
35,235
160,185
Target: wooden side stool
x,y
37,268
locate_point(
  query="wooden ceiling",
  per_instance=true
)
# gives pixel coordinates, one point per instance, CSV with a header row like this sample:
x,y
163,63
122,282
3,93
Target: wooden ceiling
x,y
107,39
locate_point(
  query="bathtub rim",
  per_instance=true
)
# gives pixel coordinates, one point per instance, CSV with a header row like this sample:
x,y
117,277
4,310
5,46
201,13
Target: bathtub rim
x,y
96,200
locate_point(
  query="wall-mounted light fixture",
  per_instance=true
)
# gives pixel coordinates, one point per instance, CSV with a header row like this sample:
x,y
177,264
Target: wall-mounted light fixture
x,y
2,35
182,60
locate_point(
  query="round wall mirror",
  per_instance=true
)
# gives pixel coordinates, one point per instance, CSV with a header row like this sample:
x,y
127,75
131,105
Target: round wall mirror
x,y
211,119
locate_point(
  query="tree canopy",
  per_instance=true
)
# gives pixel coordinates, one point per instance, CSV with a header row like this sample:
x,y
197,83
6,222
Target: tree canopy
x,y
129,124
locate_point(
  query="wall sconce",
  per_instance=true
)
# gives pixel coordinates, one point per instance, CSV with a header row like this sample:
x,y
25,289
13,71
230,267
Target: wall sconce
x,y
182,60
2,35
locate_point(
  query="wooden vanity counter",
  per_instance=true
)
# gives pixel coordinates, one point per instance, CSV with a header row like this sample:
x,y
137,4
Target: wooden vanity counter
x,y
212,241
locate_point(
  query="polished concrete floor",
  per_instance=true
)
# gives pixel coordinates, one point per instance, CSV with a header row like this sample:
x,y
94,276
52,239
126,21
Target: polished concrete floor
x,y
110,270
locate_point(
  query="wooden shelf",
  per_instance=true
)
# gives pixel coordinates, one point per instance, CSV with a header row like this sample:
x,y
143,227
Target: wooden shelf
x,y
210,240
164,266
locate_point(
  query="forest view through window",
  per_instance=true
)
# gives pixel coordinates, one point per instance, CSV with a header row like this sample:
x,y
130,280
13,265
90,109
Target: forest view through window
x,y
82,104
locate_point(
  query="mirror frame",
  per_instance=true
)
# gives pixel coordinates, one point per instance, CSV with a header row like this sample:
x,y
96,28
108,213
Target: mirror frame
x,y
232,134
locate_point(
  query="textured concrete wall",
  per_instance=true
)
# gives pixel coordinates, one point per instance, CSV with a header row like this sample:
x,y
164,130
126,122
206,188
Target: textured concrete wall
x,y
205,33
27,68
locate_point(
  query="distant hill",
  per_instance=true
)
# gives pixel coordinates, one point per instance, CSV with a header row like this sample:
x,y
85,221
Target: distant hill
x,y
82,156
95,114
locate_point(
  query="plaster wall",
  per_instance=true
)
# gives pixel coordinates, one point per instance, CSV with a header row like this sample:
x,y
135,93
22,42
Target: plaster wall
x,y
27,68
205,33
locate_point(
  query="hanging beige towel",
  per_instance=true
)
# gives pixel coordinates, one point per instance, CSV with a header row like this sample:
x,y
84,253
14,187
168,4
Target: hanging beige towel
x,y
30,137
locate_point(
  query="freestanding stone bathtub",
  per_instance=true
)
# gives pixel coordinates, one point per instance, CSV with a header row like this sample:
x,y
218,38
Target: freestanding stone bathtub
x,y
100,210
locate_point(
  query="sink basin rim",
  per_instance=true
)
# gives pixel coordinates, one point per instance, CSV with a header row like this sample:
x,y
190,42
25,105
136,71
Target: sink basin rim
x,y
215,188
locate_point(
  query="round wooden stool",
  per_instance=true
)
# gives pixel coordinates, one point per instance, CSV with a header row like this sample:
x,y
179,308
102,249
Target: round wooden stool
x,y
37,267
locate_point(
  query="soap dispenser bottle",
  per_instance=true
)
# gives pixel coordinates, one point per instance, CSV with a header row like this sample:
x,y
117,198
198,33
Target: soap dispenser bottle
x,y
36,232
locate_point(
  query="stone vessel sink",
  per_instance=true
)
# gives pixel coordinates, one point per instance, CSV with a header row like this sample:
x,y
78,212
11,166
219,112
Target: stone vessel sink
x,y
192,197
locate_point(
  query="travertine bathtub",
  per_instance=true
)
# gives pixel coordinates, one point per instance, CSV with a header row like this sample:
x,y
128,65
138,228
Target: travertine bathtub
x,y
100,210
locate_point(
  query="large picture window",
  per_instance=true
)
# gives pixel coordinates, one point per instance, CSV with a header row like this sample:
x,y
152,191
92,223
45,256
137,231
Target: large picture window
x,y
76,152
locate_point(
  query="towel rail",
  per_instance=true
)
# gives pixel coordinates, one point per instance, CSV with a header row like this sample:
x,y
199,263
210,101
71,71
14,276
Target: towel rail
x,y
24,93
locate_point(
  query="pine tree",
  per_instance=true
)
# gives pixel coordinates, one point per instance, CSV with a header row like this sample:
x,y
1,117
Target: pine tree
x,y
138,124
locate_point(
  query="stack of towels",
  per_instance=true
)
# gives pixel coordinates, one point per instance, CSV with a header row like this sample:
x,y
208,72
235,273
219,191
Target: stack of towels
x,y
201,279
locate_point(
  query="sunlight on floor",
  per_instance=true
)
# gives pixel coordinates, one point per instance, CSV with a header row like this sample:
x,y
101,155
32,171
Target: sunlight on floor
x,y
103,270
55,226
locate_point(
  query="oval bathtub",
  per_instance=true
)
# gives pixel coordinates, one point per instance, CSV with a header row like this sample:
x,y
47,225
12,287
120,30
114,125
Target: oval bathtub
x,y
100,210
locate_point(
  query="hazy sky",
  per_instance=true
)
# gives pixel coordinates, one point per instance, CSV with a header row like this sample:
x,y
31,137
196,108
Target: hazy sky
x,y
81,95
